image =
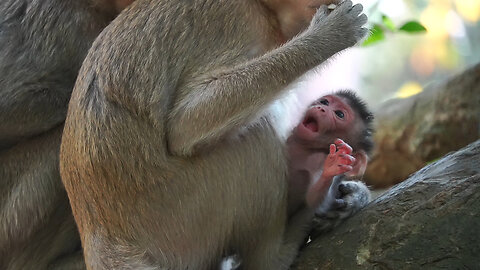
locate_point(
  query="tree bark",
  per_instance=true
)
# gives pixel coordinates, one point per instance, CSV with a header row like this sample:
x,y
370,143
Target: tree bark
x,y
430,221
414,131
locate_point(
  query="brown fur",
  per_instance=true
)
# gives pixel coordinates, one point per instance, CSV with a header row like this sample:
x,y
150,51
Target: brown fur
x,y
168,156
42,45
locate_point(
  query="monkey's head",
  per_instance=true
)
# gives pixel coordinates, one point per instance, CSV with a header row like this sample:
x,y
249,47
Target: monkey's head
x,y
340,115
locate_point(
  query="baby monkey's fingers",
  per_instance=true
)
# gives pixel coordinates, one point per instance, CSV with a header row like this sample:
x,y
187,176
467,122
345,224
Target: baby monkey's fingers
x,y
344,168
333,149
346,159
343,147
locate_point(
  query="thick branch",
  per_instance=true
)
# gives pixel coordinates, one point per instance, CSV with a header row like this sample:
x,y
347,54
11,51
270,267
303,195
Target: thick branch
x,y
429,221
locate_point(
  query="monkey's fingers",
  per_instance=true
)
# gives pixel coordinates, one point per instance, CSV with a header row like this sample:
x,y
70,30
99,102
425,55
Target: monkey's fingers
x,y
365,32
333,149
321,7
343,6
343,147
339,203
338,141
343,168
346,159
347,4
357,9
320,14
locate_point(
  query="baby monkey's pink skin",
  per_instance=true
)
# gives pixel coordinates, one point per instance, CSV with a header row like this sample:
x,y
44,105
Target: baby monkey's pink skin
x,y
339,161
318,150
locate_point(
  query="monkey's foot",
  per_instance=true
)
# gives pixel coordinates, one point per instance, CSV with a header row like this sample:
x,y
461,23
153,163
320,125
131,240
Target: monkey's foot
x,y
351,197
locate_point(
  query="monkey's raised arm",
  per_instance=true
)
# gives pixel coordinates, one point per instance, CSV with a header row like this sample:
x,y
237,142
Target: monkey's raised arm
x,y
230,99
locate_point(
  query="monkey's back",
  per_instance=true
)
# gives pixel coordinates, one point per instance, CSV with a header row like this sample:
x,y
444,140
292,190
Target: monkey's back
x,y
40,54
130,196
42,46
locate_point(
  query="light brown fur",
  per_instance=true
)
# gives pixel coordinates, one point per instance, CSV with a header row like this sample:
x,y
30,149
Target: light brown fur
x,y
168,156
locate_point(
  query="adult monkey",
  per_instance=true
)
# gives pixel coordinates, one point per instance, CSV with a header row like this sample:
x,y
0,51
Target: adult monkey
x,y
168,155
42,45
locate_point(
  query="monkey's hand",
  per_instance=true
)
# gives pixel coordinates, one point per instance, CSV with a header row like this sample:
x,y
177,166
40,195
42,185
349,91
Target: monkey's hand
x,y
340,28
344,199
339,159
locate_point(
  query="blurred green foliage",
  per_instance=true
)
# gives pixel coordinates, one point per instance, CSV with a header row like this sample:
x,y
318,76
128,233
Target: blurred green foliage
x,y
386,25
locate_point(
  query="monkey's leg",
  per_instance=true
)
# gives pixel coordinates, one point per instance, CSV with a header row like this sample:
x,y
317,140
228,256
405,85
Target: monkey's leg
x,y
223,101
275,251
36,224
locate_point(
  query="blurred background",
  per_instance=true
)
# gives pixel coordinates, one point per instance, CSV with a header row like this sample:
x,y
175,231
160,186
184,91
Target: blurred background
x,y
416,47
403,63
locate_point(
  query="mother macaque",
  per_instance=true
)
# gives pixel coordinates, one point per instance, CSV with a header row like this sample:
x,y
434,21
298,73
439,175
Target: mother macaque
x,y
168,154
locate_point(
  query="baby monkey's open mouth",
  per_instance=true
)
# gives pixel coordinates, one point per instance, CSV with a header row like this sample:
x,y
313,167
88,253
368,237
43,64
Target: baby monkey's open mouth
x,y
310,123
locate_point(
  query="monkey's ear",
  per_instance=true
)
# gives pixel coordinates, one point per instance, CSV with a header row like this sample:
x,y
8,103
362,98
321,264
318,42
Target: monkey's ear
x,y
360,165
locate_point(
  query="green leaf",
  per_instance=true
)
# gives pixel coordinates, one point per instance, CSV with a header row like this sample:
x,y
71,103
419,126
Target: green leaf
x,y
388,23
377,35
413,27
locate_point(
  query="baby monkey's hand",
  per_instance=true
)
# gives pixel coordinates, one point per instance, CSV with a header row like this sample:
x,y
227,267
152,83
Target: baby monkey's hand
x,y
339,159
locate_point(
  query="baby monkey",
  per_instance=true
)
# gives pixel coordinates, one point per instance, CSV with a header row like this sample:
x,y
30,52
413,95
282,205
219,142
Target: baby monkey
x,y
333,139
328,147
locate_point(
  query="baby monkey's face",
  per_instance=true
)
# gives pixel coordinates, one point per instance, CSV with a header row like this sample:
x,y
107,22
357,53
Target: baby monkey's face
x,y
328,118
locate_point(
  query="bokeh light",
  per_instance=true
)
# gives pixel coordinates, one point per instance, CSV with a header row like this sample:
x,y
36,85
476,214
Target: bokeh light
x,y
409,89
469,9
387,69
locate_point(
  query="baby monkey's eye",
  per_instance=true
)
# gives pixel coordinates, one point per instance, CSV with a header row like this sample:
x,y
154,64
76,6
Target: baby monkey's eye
x,y
340,114
324,102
